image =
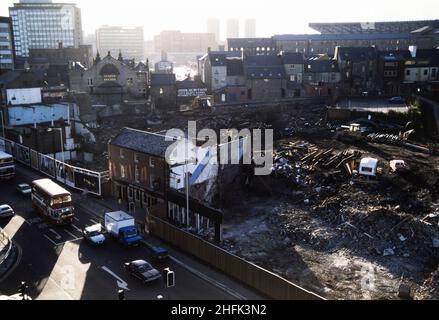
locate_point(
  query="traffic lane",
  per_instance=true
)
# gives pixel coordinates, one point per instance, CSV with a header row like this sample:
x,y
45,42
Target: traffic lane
x,y
107,263
37,260
190,286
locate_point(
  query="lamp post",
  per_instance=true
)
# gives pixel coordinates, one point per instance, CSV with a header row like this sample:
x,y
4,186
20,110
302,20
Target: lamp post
x,y
62,151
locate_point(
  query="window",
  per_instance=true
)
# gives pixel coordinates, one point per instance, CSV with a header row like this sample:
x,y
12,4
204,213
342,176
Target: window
x,y
90,81
151,162
137,174
136,157
425,72
407,72
123,173
122,153
161,91
130,81
433,73
293,78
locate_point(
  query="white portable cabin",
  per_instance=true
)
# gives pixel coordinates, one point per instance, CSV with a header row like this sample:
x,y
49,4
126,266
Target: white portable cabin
x,y
368,167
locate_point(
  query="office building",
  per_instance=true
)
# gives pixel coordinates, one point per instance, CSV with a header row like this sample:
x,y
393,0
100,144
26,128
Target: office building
x,y
232,28
178,42
6,45
41,24
213,26
250,28
128,40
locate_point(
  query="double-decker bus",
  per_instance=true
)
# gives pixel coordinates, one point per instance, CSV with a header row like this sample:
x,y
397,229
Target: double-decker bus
x,y
7,167
52,202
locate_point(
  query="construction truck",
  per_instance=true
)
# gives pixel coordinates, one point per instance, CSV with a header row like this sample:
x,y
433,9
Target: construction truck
x,y
203,102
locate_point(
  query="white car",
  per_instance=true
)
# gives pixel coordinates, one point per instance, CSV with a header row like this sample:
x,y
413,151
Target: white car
x,y
6,211
94,234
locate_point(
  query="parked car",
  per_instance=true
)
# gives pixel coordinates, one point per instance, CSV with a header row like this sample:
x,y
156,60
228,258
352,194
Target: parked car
x,y
24,189
142,270
396,100
158,253
6,211
94,234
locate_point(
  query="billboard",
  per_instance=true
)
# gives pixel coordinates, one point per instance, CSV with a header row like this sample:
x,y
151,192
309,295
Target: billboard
x,y
47,165
87,181
192,92
23,96
22,154
34,160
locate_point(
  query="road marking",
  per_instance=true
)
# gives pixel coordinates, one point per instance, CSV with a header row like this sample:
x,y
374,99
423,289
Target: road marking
x,y
69,241
48,238
57,235
76,219
71,234
120,283
76,228
94,221
43,225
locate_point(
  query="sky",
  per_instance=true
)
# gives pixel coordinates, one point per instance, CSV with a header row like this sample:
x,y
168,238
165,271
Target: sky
x,y
273,16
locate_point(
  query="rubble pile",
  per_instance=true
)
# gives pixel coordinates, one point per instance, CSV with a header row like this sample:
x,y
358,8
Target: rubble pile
x,y
324,223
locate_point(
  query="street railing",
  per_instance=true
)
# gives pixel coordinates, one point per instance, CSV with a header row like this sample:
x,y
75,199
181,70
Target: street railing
x,y
71,176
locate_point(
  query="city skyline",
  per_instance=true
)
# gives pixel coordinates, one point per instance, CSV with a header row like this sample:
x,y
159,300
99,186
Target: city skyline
x,y
270,19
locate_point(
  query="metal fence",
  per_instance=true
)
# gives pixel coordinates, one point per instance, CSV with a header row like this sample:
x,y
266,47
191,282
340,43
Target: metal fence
x,y
252,275
71,176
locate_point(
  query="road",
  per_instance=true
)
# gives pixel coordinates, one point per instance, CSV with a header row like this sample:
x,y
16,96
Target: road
x,y
58,264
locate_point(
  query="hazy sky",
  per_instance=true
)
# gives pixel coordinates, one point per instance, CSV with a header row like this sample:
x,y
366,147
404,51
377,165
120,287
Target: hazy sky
x,y
273,16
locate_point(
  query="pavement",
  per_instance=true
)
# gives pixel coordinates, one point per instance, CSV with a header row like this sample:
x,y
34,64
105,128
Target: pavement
x,y
57,263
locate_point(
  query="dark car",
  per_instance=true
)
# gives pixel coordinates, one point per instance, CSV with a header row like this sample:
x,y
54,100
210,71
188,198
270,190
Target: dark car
x,y
158,253
142,270
24,189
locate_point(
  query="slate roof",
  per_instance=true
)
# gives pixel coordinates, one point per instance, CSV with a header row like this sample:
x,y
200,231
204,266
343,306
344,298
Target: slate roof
x,y
142,142
321,66
393,55
218,59
356,54
431,54
220,55
163,79
264,67
292,58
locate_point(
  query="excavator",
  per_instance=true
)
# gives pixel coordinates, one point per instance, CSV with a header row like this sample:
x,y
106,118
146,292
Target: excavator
x,y
199,103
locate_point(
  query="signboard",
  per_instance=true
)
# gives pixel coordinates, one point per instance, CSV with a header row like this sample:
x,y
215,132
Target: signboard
x,y
34,160
22,154
47,165
86,181
23,96
195,92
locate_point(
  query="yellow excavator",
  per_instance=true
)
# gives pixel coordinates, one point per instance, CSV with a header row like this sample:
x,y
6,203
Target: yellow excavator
x,y
202,102
199,103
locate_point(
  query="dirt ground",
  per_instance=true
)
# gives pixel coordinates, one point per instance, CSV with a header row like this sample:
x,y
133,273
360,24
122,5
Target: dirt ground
x,y
343,236
337,234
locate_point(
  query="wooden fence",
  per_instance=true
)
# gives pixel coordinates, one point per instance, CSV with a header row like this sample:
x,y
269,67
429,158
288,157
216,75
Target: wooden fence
x,y
266,282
